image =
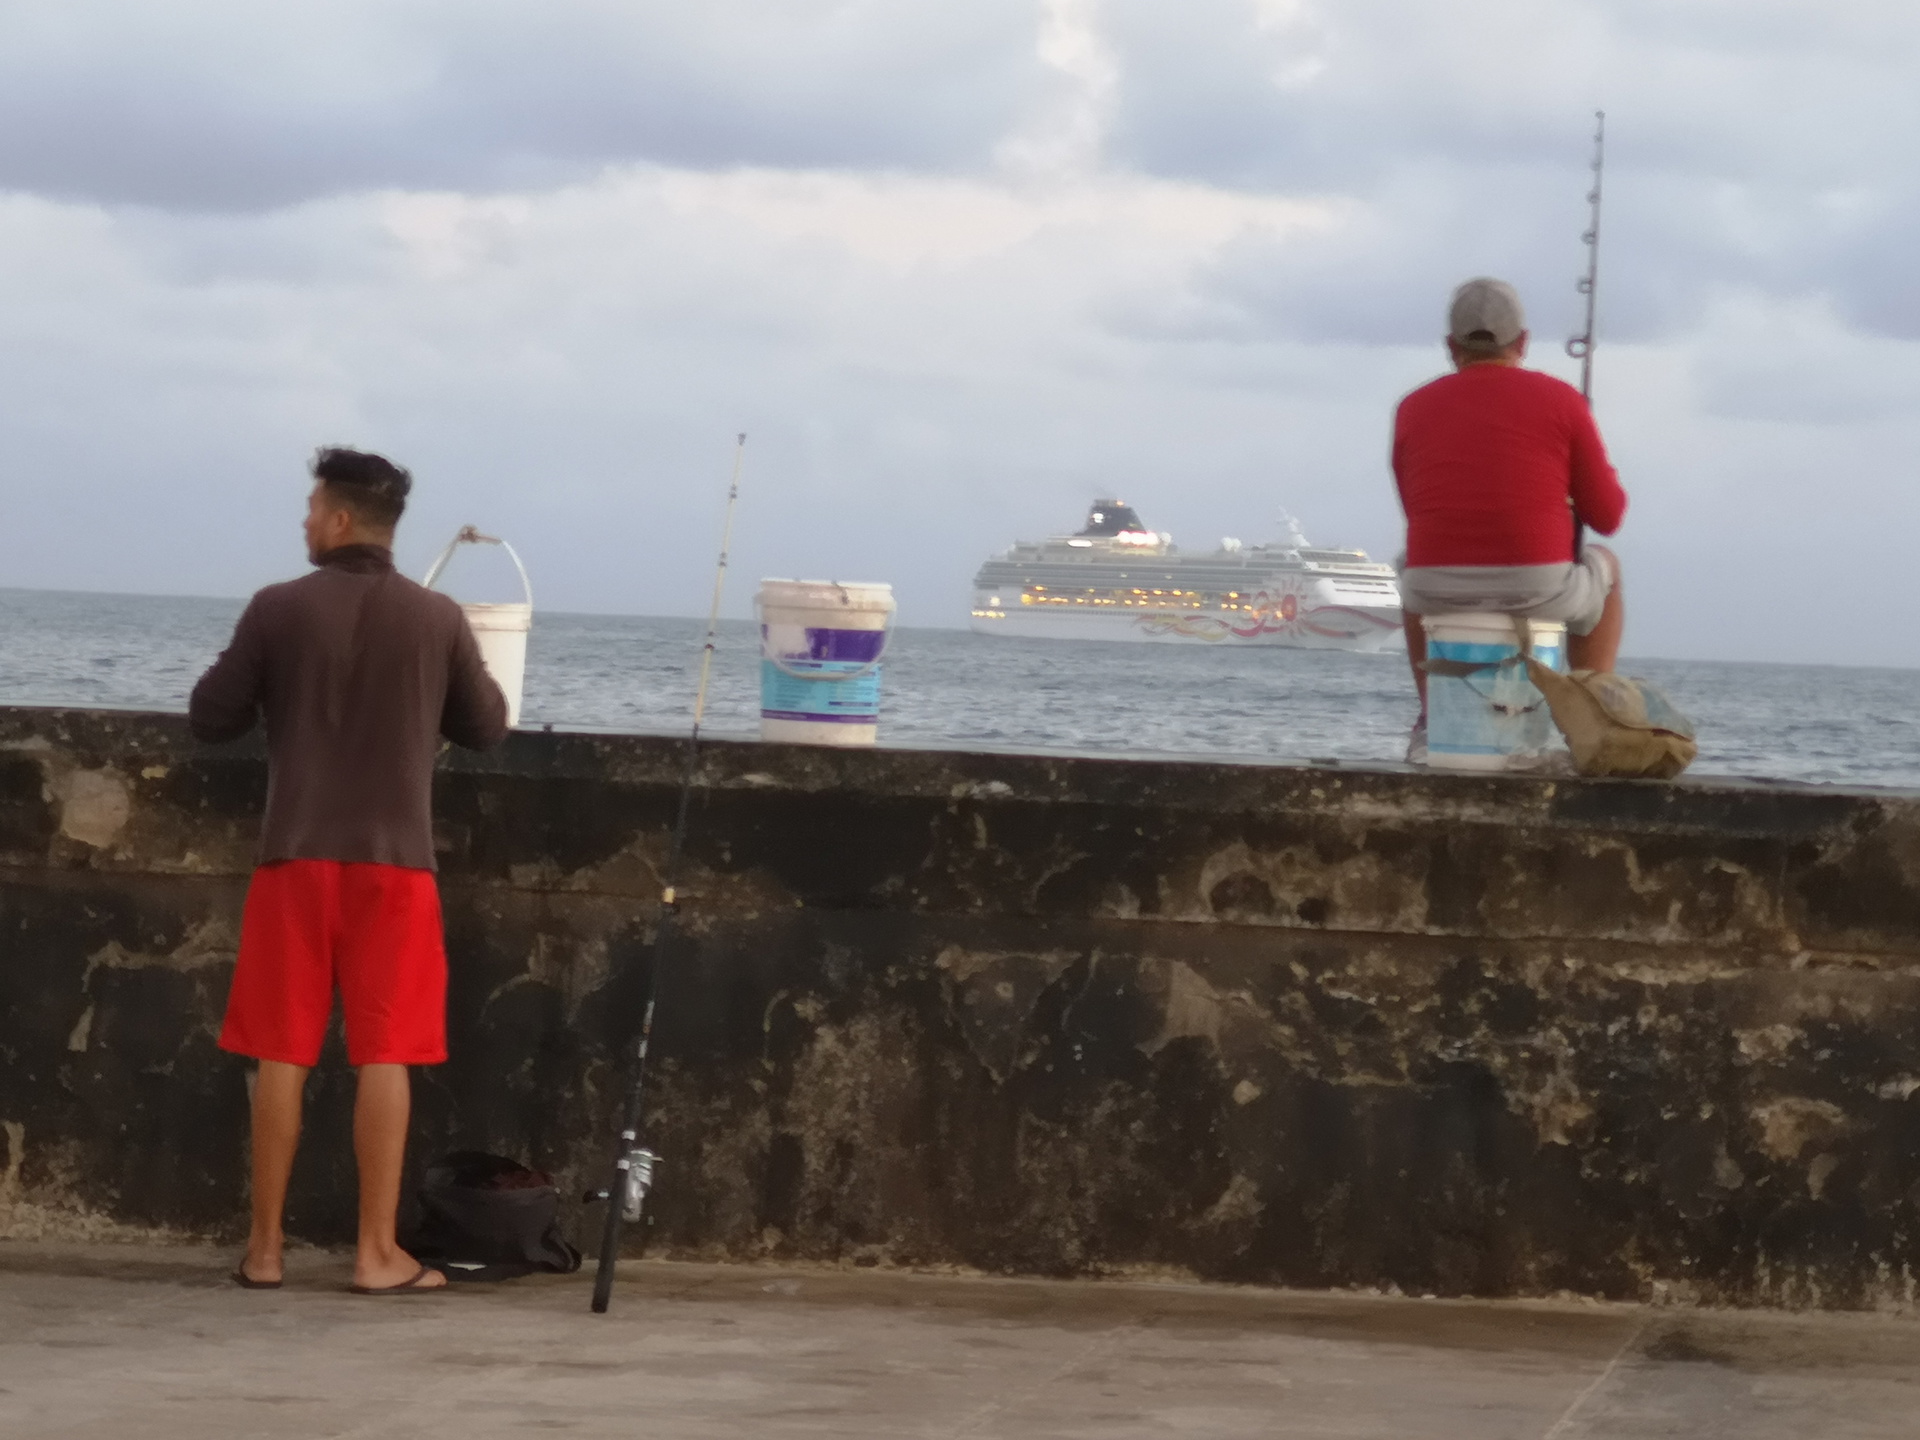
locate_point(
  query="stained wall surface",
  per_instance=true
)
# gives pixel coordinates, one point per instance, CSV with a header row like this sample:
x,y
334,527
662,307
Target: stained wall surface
x,y
1063,1016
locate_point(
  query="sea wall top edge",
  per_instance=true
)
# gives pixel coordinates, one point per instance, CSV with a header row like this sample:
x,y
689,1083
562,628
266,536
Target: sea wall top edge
x,y
1010,774
1724,868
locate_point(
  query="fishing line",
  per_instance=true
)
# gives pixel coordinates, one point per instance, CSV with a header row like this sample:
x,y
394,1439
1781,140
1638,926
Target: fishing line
x,y
634,1164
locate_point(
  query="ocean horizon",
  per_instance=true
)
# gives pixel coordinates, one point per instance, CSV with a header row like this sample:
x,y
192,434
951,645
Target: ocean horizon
x,y
949,688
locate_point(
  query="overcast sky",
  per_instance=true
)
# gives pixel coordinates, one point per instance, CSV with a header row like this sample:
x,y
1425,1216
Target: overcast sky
x,y
957,266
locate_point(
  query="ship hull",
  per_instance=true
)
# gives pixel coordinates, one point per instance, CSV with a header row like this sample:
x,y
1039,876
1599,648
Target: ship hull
x,y
1366,630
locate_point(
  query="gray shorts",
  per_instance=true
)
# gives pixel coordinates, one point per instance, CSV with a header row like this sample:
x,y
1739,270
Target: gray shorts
x,y
1574,593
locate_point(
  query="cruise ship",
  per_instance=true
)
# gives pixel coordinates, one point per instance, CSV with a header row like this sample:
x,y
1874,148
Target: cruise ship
x,y
1117,580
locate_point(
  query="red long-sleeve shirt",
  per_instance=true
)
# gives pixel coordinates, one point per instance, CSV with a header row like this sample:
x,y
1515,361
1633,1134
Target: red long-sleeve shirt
x,y
1487,461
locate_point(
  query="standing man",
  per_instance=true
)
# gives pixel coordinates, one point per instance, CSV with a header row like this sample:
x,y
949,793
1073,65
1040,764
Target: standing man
x,y
357,672
1498,469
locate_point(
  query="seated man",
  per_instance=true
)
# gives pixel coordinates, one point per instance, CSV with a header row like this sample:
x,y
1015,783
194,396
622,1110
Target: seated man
x,y
1498,469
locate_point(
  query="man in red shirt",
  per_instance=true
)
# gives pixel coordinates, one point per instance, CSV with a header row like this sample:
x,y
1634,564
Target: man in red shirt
x,y
357,673
1498,468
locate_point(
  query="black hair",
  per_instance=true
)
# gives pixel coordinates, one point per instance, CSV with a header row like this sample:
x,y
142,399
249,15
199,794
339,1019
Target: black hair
x,y
371,486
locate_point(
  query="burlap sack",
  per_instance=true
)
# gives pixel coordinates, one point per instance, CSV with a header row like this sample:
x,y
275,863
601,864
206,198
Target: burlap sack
x,y
1616,725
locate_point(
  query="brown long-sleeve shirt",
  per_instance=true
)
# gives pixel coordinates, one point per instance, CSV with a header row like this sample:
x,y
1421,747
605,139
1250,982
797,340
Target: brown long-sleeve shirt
x,y
358,672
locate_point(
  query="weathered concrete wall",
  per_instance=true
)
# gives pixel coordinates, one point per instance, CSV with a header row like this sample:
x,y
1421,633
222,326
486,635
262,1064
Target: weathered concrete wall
x,y
1311,1025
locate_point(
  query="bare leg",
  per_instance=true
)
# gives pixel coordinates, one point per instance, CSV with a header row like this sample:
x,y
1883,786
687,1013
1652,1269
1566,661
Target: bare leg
x,y
382,1105
1599,649
277,1090
1417,654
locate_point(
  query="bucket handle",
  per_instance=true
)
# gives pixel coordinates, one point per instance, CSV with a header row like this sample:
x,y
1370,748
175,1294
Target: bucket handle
x,y
886,639
470,535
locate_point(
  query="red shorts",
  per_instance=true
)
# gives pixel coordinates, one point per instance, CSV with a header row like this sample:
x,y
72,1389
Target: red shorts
x,y
372,930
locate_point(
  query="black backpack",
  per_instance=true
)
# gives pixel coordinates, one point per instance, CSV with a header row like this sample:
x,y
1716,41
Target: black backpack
x,y
485,1217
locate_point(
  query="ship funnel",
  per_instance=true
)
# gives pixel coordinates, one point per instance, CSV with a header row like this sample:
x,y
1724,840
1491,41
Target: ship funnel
x,y
1112,517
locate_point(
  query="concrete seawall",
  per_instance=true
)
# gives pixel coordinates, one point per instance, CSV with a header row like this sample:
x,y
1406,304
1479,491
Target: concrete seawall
x,y
1318,1026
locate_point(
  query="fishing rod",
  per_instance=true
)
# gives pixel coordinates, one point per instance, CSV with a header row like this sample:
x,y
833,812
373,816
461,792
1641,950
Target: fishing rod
x,y
1580,347
634,1164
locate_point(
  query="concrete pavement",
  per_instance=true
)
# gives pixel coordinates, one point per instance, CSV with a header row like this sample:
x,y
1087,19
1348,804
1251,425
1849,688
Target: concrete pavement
x,y
150,1343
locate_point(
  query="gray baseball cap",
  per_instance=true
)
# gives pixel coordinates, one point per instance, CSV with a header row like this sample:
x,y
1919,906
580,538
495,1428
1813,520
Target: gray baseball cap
x,y
1486,315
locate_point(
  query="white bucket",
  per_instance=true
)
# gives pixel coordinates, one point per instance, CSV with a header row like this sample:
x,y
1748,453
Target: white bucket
x,y
499,629
1496,718
820,648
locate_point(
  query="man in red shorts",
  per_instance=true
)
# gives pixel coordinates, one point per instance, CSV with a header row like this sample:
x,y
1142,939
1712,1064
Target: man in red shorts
x,y
357,672
1498,467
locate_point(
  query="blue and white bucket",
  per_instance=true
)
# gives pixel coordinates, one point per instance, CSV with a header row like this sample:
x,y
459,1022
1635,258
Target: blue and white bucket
x,y
1494,717
820,647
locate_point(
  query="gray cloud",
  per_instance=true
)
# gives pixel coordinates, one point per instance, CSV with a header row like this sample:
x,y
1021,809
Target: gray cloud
x,y
234,105
1320,94
1384,277
1756,145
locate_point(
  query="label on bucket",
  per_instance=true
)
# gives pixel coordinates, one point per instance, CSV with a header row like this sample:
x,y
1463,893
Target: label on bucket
x,y
797,644
812,692
1496,712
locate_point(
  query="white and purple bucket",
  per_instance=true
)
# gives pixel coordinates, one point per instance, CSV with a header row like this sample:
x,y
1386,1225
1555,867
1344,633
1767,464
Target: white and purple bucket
x,y
821,642
1494,718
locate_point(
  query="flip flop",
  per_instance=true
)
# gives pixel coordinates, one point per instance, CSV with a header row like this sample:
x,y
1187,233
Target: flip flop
x,y
247,1282
405,1287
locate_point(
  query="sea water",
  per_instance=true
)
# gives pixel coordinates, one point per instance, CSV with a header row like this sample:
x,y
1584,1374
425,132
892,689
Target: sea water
x,y
954,689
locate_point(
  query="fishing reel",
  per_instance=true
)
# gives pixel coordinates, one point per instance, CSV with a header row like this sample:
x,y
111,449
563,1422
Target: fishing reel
x,y
633,1173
